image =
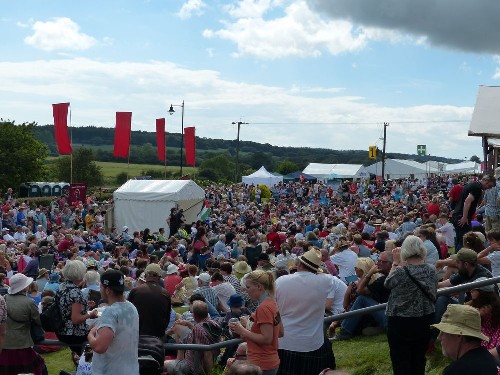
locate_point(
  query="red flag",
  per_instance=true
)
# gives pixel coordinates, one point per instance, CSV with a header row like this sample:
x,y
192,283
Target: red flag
x,y
122,134
160,138
189,145
60,112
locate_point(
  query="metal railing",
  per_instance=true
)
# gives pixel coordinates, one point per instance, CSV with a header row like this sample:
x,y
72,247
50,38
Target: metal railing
x,y
327,320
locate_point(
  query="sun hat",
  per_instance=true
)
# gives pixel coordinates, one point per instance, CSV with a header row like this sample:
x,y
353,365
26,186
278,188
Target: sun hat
x,y
91,263
461,320
312,260
54,277
235,301
42,272
204,277
124,229
242,267
153,268
19,282
113,279
342,243
465,255
171,269
484,288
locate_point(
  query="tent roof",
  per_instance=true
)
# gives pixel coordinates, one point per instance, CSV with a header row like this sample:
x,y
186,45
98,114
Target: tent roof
x,y
261,173
160,190
335,170
463,166
486,113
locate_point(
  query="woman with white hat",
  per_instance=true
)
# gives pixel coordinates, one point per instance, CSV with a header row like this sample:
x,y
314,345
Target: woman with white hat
x,y
18,355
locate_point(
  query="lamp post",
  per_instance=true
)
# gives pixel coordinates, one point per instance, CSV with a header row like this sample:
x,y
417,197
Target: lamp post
x,y
239,123
171,112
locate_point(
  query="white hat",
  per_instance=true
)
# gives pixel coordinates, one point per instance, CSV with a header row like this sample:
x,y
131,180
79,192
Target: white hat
x,y
171,269
124,228
204,277
19,282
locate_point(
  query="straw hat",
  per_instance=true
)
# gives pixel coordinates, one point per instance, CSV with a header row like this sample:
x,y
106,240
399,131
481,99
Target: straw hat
x,y
42,272
312,260
242,267
461,320
19,282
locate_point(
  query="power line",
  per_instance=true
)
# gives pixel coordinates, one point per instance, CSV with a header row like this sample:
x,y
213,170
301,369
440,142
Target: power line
x,y
358,123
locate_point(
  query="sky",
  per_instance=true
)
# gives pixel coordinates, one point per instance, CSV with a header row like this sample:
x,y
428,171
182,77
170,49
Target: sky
x,y
308,73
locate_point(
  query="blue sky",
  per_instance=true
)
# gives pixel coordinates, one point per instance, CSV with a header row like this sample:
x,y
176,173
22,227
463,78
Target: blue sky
x,y
314,73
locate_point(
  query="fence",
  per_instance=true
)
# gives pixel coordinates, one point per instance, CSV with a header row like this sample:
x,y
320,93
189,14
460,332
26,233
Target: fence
x,y
327,320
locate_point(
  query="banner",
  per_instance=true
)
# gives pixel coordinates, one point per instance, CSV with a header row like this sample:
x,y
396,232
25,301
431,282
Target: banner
x,y
60,113
122,134
421,150
160,138
77,193
190,145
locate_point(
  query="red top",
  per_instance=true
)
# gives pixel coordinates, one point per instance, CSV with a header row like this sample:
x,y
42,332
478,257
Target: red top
x,y
455,192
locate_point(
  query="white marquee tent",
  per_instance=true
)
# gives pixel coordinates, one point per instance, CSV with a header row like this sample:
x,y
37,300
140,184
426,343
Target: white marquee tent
x,y
262,177
143,204
333,171
399,168
466,167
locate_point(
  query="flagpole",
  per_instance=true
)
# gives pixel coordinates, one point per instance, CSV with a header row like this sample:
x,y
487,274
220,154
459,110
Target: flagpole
x,y
165,141
128,154
71,144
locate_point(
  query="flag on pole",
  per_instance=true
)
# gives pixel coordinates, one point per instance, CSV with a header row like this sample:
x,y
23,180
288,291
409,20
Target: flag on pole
x,y
60,113
190,145
205,211
122,134
160,138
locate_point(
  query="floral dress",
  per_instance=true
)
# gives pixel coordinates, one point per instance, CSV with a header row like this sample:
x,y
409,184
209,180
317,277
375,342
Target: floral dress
x,y
69,294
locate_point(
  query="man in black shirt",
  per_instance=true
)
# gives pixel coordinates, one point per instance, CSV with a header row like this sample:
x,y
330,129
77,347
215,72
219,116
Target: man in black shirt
x,y
466,206
461,339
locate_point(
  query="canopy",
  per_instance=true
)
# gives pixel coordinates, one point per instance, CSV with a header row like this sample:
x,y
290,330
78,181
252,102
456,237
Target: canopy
x,y
399,168
141,204
466,167
297,176
262,177
332,171
486,115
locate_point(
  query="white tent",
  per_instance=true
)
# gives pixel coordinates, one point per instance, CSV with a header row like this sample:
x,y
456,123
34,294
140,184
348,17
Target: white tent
x,y
262,177
143,204
399,168
332,171
466,167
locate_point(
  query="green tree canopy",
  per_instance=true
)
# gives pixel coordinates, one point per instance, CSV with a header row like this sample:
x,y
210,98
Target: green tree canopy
x,y
85,169
286,166
475,158
217,168
21,155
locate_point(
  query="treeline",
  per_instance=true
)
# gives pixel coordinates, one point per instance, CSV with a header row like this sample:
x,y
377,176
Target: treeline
x,y
252,154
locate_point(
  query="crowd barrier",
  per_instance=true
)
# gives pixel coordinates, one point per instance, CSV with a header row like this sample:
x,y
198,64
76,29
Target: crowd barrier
x,y
327,320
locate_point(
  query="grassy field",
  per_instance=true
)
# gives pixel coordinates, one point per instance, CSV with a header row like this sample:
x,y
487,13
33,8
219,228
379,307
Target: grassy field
x,y
111,170
360,356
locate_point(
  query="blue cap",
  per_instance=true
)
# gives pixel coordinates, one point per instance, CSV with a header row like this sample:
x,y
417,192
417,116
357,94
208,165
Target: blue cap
x,y
235,301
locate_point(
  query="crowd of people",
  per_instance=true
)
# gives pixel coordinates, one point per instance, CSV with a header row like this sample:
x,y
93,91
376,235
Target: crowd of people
x,y
264,269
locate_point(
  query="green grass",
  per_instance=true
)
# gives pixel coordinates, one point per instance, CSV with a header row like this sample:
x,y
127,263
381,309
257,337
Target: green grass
x,y
359,356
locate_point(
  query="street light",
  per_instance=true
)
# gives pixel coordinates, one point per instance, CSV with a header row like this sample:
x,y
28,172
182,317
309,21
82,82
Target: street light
x,y
171,112
239,123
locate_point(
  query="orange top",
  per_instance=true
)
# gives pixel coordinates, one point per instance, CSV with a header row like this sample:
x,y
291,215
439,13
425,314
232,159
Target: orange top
x,y
265,356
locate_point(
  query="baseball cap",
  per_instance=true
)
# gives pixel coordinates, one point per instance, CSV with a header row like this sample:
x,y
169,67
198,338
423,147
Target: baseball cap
x,y
465,255
153,268
113,279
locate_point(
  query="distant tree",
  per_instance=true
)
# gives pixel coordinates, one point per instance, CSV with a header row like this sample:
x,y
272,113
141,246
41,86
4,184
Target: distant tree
x,y
259,159
22,156
219,168
85,169
475,158
121,178
286,166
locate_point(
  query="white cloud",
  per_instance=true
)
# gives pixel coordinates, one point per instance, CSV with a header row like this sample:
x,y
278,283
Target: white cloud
x,y
310,117
190,8
299,32
59,34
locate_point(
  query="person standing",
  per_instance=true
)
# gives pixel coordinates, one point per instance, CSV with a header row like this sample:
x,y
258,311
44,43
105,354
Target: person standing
x,y
492,206
301,299
410,308
266,327
115,337
461,337
466,206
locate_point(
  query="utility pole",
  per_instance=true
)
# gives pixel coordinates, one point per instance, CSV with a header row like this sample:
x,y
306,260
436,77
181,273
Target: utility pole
x,y
239,123
386,124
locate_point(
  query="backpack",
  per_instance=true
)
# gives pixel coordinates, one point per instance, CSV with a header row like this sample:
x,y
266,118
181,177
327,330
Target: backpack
x,y
51,316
